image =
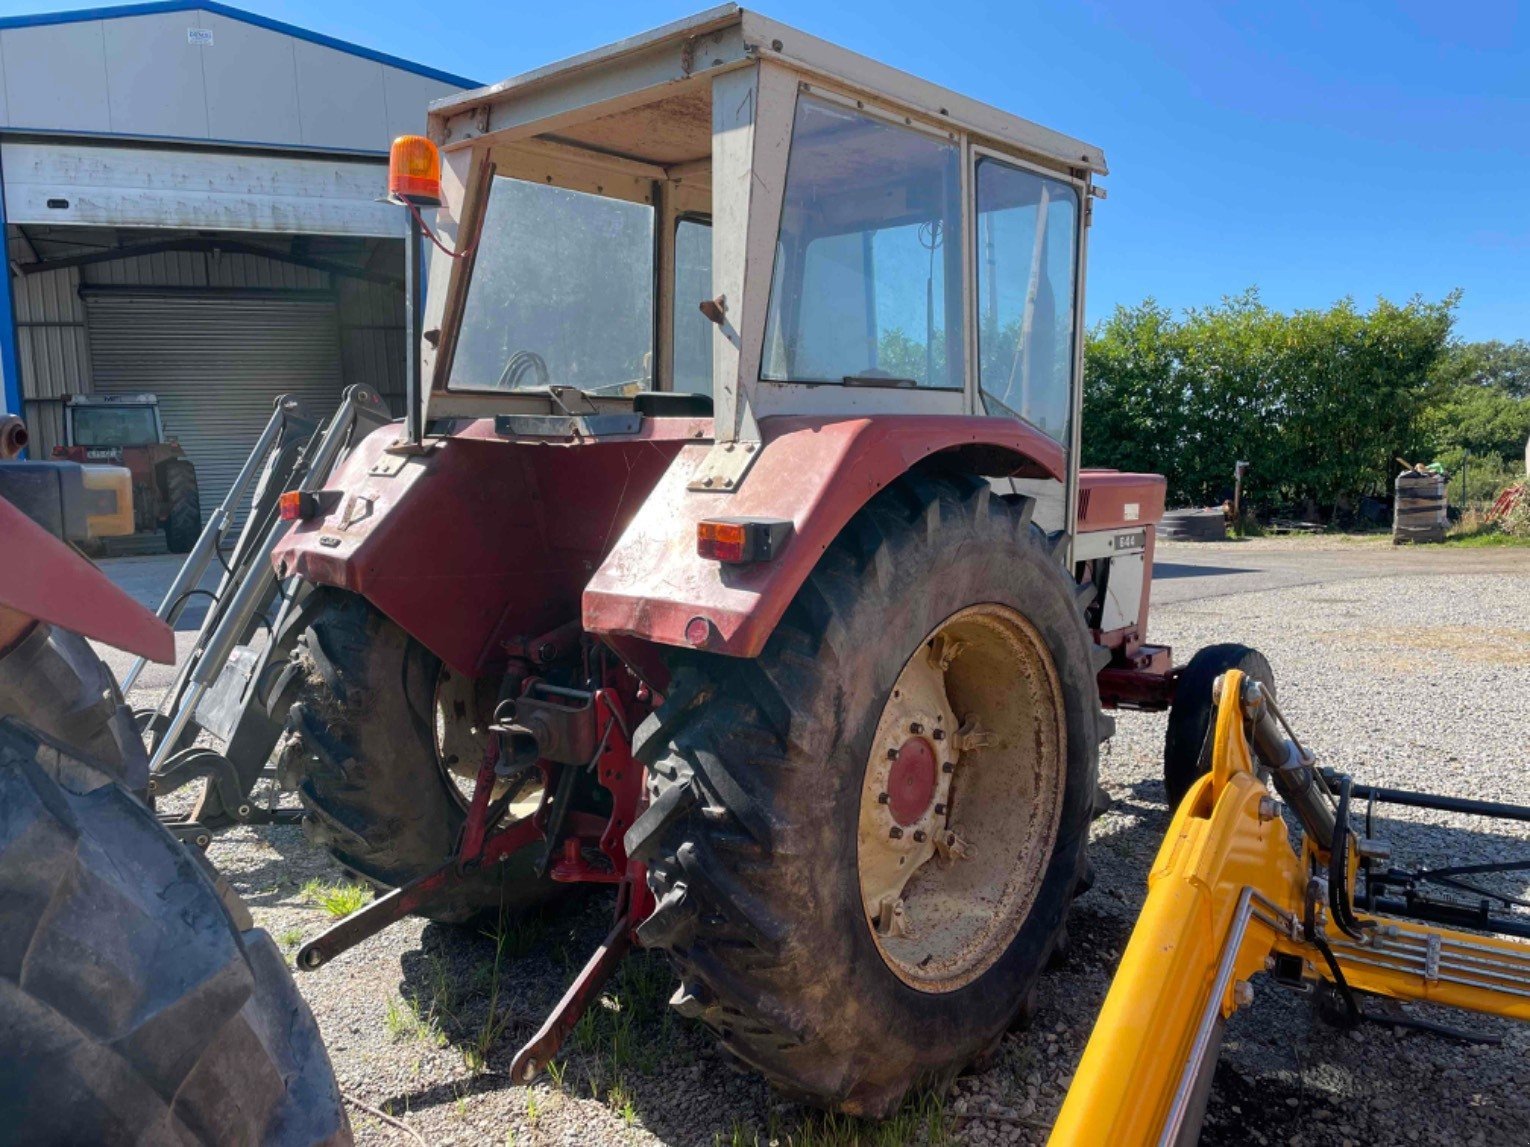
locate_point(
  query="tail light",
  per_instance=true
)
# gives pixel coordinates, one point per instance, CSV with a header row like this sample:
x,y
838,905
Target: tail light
x,y
297,506
735,541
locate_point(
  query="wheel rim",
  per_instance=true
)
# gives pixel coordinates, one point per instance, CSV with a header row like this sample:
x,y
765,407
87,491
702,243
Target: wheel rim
x,y
461,738
962,797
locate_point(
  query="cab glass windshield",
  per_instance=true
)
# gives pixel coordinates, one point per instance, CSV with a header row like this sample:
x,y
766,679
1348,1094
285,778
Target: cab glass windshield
x,y
867,289
113,425
562,293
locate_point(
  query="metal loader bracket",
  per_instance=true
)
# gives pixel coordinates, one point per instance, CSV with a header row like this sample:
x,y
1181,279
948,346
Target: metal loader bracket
x,y
222,686
1230,896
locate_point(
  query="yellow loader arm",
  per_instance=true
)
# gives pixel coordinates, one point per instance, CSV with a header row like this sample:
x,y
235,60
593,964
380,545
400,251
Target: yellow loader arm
x,y
1230,895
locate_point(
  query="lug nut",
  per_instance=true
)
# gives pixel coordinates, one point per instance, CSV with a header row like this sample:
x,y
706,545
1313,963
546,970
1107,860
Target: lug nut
x,y
938,734
895,832
892,754
940,810
948,767
916,728
919,835
882,798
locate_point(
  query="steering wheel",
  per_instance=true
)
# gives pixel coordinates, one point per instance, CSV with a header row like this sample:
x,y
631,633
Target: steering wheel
x,y
520,362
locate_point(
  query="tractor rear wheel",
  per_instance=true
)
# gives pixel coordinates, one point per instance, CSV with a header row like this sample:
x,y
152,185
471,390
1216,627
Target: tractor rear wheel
x,y
139,1003
380,747
52,680
864,843
1187,741
178,485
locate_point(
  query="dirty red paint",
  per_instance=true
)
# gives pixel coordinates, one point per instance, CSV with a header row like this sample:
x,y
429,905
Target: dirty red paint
x,y
41,577
813,473
911,781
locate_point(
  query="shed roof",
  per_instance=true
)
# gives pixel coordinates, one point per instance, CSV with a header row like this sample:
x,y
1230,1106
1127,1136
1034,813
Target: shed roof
x,y
202,72
158,7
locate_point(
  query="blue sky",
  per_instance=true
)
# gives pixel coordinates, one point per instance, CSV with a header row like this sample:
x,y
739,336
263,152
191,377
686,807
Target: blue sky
x,y
1312,149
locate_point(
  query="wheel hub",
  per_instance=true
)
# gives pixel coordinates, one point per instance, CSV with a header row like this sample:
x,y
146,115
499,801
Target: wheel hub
x,y
911,781
961,797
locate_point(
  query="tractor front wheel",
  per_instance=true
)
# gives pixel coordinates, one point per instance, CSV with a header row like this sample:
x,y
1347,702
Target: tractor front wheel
x,y
1187,741
864,843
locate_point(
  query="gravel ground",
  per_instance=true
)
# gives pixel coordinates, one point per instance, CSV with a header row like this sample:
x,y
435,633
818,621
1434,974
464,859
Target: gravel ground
x,y
1411,680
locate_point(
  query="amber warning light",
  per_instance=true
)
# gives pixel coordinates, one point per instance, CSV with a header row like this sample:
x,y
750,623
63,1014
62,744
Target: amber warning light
x,y
414,171
737,540
296,506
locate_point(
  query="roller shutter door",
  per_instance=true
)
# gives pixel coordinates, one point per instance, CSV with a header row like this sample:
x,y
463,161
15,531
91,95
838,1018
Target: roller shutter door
x,y
217,363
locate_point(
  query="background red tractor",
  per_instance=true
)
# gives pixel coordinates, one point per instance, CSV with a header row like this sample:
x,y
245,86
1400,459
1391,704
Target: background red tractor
x,y
125,430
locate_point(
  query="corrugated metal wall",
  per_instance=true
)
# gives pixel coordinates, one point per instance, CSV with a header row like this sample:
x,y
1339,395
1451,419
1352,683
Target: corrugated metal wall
x,y
216,362
52,351
372,337
54,341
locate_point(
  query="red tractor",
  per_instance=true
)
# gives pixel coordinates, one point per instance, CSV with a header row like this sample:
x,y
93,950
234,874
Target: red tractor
x,y
125,430
734,551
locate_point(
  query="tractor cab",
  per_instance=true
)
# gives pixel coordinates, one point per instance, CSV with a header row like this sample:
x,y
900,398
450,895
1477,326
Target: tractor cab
x,y
729,218
101,426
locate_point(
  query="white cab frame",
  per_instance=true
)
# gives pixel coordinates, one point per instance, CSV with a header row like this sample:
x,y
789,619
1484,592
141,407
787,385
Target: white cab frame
x,y
752,70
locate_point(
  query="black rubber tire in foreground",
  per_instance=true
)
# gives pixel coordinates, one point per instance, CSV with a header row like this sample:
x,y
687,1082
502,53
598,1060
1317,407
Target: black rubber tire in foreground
x,y
178,479
136,1009
54,682
1187,743
359,750
755,773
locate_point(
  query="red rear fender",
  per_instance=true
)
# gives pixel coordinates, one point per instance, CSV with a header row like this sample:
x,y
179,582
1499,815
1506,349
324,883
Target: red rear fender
x,y
482,539
812,473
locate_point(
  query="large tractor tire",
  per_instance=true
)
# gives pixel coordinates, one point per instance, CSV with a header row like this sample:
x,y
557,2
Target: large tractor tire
x,y
139,1003
52,680
178,485
368,749
1187,741
864,843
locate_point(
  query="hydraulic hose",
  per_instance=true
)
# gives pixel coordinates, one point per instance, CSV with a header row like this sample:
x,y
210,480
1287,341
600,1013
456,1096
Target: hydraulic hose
x,y
1293,768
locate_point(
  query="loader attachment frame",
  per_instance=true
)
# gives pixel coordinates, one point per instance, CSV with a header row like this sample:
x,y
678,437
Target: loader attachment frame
x,y
1230,895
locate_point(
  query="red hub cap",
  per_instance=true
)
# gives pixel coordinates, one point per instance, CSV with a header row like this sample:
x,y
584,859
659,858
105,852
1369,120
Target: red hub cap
x,y
911,781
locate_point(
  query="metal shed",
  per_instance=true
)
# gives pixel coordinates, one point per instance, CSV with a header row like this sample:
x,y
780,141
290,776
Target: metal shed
x,y
190,200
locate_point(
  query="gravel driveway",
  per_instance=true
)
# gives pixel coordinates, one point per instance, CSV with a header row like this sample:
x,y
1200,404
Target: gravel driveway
x,y
1409,669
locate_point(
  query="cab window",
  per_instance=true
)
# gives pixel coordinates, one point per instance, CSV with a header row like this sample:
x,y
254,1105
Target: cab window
x,y
691,332
866,288
1027,237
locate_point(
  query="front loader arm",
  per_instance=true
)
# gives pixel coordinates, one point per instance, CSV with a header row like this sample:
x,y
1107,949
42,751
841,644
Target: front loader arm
x,y
1229,896
1211,920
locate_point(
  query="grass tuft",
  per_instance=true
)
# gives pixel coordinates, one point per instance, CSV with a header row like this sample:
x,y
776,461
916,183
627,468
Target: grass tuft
x,y
922,1122
336,899
404,1022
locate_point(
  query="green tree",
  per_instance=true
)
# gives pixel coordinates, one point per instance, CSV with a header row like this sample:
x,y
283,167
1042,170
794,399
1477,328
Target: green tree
x,y
1479,420
1503,366
1318,401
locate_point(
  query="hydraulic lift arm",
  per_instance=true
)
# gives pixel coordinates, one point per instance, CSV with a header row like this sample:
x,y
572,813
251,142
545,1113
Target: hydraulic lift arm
x,y
1231,895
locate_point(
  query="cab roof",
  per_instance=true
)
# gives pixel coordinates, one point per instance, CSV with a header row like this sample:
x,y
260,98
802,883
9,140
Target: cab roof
x,y
638,69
